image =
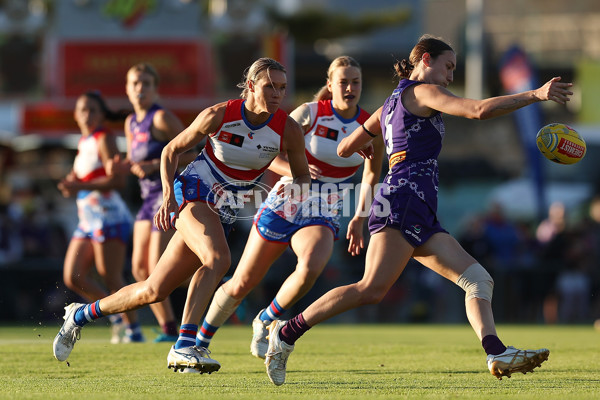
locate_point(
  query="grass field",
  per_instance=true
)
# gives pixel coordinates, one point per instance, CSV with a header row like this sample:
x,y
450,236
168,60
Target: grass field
x,y
330,362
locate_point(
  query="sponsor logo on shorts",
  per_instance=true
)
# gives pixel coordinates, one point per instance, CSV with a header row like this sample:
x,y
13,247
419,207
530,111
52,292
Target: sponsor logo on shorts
x,y
417,228
271,234
414,235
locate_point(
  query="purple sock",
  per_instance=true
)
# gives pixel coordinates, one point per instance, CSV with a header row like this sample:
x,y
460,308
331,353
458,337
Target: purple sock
x,y
492,345
293,329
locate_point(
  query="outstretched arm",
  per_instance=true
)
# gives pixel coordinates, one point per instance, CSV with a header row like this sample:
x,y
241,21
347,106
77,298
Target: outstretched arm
x,y
435,97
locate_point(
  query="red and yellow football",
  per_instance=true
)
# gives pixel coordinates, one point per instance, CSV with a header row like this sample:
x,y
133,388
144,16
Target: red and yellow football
x,y
560,143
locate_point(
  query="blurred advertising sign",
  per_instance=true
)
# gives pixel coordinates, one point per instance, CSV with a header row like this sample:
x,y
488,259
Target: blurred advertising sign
x,y
517,75
92,44
184,67
55,118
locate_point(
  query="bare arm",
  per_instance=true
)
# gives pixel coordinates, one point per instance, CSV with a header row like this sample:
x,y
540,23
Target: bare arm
x,y
205,123
370,177
359,141
293,146
426,98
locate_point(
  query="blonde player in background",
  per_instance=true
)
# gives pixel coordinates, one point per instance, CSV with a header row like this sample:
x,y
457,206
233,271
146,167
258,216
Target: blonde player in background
x,y
311,228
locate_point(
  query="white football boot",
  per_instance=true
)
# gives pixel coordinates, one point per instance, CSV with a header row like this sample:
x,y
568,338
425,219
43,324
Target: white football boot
x,y
259,344
69,333
117,332
277,354
192,360
515,360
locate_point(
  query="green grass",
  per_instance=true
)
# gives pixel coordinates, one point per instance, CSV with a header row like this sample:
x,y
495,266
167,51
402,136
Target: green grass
x,y
330,362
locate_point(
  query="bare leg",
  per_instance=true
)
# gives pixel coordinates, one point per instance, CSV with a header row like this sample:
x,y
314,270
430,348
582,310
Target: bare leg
x,y
201,227
387,255
79,261
256,260
444,255
148,245
313,245
177,264
110,261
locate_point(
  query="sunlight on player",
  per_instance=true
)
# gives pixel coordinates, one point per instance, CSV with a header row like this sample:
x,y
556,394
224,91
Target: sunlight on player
x,y
412,127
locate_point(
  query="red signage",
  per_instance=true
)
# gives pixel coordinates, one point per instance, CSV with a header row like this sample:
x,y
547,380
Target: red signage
x,y
56,118
185,67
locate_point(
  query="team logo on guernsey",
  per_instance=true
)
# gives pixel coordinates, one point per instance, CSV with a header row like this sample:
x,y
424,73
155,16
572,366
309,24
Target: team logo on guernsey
x,y
231,138
397,157
142,136
326,132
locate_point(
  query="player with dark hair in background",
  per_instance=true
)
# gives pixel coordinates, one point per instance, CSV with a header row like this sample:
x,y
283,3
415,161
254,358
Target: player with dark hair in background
x,y
104,224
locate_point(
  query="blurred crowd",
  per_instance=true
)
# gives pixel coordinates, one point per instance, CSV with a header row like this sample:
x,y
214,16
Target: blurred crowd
x,y
546,272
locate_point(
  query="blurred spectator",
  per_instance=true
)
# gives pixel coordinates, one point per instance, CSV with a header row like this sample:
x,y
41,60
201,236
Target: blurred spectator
x,y
473,239
503,239
506,262
11,245
554,224
553,239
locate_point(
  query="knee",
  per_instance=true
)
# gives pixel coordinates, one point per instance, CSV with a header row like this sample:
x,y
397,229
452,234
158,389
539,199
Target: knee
x,y
153,293
307,273
219,263
370,293
73,282
239,287
477,283
139,272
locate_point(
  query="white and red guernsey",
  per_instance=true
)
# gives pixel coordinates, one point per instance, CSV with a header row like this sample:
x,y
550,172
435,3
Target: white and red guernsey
x,y
233,160
324,200
240,150
321,141
102,214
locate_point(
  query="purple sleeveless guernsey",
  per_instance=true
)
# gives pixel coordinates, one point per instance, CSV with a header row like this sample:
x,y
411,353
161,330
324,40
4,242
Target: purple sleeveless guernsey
x,y
143,148
412,145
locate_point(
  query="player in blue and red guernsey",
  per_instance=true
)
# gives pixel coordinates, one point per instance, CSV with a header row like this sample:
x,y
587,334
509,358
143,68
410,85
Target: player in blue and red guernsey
x,y
243,137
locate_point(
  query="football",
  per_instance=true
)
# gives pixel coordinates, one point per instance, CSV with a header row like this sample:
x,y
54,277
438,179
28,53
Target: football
x,y
560,143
